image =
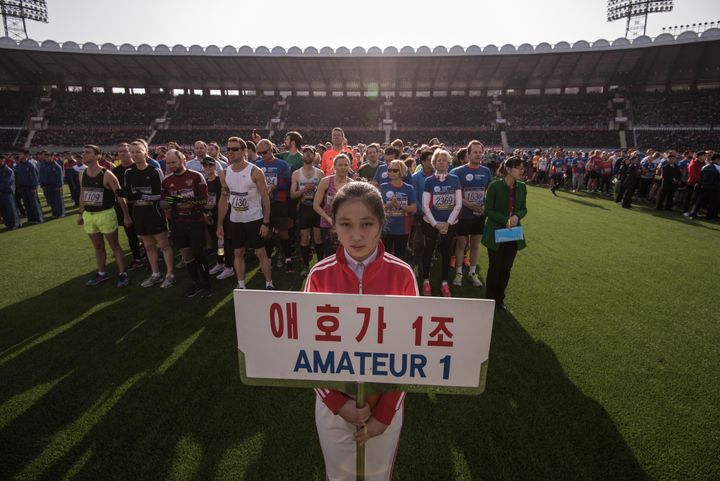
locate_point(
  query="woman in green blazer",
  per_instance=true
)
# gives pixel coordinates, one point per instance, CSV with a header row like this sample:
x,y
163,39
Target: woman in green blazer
x,y
504,207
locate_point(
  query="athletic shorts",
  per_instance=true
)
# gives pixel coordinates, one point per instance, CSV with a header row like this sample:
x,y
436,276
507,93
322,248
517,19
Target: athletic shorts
x,y
293,207
246,234
308,218
104,221
279,215
473,226
148,221
188,234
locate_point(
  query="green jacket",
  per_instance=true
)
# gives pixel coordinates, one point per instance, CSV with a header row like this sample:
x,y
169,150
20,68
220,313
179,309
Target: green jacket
x,y
497,207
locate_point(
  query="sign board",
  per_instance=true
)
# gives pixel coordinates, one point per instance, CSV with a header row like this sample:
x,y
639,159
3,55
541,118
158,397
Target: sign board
x,y
415,344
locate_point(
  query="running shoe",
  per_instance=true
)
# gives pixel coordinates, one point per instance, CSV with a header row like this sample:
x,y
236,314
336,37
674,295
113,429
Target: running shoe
x,y
205,292
217,269
152,280
457,281
97,279
123,280
137,264
227,273
476,282
270,288
426,291
168,282
193,290
240,286
445,290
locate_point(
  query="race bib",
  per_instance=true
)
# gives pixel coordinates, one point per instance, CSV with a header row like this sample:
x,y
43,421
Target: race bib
x,y
212,200
238,201
142,190
444,201
399,212
93,196
271,179
474,195
329,198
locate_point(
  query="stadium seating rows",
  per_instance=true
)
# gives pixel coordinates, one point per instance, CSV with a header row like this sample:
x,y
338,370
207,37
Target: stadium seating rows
x,y
532,120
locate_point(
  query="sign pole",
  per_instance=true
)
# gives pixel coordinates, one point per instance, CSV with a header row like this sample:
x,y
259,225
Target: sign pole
x,y
360,448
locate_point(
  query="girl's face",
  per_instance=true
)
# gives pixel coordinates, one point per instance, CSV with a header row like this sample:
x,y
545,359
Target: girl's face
x,y
358,229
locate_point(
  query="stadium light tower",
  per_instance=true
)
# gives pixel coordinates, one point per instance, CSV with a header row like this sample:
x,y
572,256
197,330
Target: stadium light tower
x,y
636,12
15,12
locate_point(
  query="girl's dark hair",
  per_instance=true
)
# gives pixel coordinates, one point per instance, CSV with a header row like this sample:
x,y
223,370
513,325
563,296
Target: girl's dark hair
x,y
363,192
509,163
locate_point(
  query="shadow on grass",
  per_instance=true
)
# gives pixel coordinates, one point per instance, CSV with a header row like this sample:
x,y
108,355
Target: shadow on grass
x,y
532,422
135,383
585,203
144,384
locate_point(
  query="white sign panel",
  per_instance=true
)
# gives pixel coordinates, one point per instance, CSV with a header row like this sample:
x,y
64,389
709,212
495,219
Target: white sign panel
x,y
426,341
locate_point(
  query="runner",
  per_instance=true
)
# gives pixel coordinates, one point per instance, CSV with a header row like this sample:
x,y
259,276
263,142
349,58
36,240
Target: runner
x,y
474,180
98,187
304,185
400,207
186,193
442,202
278,177
138,253
143,188
245,194
322,203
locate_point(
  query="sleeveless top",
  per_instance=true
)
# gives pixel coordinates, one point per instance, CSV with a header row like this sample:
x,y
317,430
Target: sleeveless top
x,y
307,197
95,195
328,201
245,200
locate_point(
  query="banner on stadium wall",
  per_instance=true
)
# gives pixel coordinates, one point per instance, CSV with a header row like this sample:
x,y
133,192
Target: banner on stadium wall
x,y
415,344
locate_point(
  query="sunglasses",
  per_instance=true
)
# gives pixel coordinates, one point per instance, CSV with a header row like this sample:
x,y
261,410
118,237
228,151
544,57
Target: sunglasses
x,y
263,152
394,170
234,149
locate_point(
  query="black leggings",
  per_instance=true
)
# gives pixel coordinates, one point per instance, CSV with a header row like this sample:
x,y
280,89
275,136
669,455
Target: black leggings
x,y
395,244
433,237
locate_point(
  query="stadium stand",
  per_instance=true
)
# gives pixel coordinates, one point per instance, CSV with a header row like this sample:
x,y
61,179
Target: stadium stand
x,y
332,111
408,95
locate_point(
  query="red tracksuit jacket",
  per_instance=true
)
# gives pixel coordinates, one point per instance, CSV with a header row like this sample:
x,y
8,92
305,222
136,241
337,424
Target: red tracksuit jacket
x,y
386,275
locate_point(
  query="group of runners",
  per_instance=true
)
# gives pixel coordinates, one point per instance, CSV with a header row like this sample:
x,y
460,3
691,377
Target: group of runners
x,y
666,179
276,201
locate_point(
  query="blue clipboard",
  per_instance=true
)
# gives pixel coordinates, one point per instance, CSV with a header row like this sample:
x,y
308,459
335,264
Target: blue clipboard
x,y
509,235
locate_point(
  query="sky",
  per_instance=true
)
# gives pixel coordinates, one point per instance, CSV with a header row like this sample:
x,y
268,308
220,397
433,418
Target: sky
x,y
364,23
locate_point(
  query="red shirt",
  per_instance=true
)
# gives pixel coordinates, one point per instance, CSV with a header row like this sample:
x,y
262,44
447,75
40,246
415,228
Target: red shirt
x,y
606,167
386,275
694,172
189,185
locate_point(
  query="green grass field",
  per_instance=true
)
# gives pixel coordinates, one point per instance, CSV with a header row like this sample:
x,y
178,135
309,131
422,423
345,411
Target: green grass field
x,y
606,369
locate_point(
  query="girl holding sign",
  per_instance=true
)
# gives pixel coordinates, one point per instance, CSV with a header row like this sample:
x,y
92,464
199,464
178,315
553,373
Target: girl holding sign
x,y
504,207
359,266
441,202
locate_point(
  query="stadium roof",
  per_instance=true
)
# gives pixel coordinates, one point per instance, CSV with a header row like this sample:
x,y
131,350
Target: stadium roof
x,y
666,60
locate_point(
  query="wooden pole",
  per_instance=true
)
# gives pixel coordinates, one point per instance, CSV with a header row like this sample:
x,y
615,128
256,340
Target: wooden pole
x,y
360,448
